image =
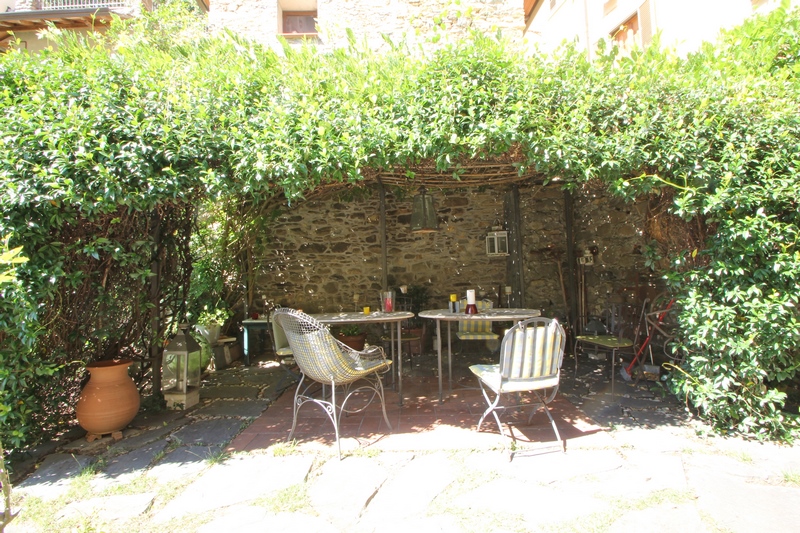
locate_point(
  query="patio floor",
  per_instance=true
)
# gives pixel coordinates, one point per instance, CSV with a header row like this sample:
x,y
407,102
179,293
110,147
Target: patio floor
x,y
422,423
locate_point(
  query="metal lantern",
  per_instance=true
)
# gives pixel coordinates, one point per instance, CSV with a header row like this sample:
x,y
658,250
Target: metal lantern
x,y
497,243
180,370
423,214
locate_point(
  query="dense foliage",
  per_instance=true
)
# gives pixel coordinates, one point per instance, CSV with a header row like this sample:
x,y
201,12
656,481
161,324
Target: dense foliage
x,y
108,147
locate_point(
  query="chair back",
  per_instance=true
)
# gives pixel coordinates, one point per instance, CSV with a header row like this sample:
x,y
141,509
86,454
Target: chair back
x,y
533,350
316,352
279,342
477,328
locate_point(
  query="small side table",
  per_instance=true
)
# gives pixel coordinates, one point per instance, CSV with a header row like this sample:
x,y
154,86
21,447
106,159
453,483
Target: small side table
x,y
608,342
251,326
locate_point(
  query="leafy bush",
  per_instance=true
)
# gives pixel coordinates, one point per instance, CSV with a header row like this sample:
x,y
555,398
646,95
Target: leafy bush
x,y
112,151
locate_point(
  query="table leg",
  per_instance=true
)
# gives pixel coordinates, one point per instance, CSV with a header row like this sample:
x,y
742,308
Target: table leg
x,y
246,347
392,353
399,363
439,353
613,365
449,360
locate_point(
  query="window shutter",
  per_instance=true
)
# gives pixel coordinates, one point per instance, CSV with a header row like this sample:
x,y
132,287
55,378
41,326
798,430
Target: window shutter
x,y
646,25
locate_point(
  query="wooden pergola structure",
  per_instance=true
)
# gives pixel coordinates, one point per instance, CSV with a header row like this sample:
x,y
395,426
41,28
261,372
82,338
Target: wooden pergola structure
x,y
477,174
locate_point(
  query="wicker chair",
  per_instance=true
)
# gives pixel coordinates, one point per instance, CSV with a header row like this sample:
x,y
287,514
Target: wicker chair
x,y
323,359
531,354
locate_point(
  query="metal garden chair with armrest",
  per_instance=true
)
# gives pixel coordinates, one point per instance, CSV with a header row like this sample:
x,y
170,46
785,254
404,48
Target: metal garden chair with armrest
x,y
531,354
323,359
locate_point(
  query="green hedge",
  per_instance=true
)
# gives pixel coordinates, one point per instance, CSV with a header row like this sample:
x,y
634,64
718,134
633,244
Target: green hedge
x,y
103,139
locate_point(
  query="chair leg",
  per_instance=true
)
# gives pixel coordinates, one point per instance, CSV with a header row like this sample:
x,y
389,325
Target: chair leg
x,y
296,406
491,409
335,419
334,411
300,398
375,384
383,403
552,422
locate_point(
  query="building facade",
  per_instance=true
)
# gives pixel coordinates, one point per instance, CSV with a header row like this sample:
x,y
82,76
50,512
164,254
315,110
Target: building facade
x,y
682,24
327,22
21,21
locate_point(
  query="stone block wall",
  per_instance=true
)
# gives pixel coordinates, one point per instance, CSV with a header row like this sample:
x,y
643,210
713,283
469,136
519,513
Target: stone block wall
x,y
322,252
409,20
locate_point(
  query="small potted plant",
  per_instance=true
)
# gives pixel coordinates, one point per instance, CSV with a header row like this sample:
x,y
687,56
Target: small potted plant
x,y
353,336
210,322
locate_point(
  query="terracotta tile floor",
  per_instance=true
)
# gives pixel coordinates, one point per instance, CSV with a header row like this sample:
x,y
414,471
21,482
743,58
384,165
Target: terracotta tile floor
x,y
422,423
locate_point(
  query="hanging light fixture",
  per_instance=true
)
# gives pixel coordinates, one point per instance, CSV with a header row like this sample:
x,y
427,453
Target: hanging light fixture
x,y
423,214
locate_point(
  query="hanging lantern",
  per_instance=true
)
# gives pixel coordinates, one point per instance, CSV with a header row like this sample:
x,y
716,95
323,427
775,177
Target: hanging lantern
x,y
180,370
423,214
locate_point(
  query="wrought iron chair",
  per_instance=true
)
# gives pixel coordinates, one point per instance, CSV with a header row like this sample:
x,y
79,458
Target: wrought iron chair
x,y
531,354
323,359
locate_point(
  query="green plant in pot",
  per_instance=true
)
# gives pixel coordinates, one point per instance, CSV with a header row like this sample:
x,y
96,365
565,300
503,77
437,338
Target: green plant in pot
x,y
353,336
210,322
209,326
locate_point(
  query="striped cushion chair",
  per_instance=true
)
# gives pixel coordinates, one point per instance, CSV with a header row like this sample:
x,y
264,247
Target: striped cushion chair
x,y
478,330
531,354
321,358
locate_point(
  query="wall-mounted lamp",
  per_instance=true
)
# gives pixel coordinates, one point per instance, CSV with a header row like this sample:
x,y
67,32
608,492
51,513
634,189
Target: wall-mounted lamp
x,y
497,243
423,214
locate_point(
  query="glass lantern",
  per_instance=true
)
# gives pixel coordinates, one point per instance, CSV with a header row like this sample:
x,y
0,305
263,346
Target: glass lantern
x,y
423,213
180,370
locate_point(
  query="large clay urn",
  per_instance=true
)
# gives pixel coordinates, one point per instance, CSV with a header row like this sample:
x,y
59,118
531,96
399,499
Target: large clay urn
x,y
109,401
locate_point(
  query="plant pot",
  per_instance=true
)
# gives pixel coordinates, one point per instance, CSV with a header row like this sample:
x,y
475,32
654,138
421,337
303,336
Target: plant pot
x,y
109,401
210,332
356,342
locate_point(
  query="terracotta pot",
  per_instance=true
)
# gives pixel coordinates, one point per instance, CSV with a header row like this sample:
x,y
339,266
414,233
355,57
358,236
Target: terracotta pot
x,y
356,342
110,400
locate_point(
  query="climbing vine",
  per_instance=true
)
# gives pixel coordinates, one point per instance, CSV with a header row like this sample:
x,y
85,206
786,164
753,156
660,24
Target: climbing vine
x,y
111,143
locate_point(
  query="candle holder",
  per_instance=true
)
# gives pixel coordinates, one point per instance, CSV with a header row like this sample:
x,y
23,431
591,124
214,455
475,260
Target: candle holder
x,y
387,301
472,308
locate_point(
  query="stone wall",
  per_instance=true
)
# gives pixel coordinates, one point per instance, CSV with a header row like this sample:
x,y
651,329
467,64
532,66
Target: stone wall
x,y
322,252
409,20
614,230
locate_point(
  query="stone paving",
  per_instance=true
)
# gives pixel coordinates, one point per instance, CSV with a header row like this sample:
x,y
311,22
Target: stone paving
x,y
635,461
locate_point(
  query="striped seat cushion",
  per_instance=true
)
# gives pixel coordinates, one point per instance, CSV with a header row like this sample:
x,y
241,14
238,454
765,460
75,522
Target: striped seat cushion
x,y
476,330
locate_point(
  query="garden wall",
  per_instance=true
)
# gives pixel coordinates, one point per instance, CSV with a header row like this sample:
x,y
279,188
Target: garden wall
x,y
322,252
